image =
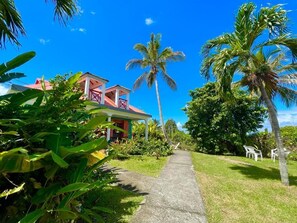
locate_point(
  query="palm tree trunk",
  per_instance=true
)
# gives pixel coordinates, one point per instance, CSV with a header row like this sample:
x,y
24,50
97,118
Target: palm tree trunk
x,y
277,134
160,110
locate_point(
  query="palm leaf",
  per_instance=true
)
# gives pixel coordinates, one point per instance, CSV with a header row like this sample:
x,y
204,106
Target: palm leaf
x,y
287,95
134,63
10,23
140,80
65,9
10,76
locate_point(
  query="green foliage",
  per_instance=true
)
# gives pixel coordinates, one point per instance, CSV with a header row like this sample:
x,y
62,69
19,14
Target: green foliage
x,y
265,140
154,129
170,127
220,126
49,156
12,64
185,140
139,146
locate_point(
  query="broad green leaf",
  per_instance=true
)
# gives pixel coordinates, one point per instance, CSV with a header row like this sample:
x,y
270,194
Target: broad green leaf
x,y
32,216
10,133
16,62
10,76
59,160
73,79
86,147
85,217
79,172
44,194
25,96
65,213
13,151
72,187
12,191
91,125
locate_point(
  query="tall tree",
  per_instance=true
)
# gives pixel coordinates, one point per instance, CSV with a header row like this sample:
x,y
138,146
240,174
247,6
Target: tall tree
x,y
219,126
258,49
155,61
11,25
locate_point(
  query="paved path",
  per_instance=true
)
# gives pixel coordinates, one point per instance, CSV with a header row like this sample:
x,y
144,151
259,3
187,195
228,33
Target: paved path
x,y
174,197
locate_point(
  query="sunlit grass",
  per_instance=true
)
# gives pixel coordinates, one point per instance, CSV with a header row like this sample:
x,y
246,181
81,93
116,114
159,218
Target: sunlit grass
x,y
145,165
238,189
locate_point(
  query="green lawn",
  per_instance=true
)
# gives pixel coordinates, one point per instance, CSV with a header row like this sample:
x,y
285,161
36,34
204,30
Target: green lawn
x,y
238,189
146,165
123,203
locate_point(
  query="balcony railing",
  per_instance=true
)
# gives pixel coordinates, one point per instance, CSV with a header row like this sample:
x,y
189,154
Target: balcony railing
x,y
123,103
95,96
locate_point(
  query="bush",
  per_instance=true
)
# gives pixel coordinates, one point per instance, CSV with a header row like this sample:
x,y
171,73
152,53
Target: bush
x,y
139,146
49,154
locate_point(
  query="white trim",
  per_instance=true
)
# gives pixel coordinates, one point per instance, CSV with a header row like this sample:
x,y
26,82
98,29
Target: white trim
x,y
103,94
108,130
146,129
87,87
117,96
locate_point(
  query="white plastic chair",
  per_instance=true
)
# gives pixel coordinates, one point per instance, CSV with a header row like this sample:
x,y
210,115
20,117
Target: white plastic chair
x,y
274,153
252,152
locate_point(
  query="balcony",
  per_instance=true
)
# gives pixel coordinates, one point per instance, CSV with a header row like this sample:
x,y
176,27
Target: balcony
x,y
123,103
95,96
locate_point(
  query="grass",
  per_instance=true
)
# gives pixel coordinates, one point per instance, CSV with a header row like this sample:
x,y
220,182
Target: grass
x,y
145,165
123,204
238,189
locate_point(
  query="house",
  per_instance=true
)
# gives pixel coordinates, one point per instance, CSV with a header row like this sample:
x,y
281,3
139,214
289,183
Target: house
x,y
115,100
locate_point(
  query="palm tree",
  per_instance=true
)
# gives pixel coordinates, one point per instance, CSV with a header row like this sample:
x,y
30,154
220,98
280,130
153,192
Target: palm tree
x,y
11,25
155,60
258,49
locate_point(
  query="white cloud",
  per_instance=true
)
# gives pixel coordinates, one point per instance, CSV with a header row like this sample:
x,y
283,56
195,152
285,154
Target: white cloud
x,y
82,30
285,117
149,21
93,13
179,126
44,41
3,89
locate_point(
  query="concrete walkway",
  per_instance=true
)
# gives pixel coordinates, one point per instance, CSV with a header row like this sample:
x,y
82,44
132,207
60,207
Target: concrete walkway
x,y
174,197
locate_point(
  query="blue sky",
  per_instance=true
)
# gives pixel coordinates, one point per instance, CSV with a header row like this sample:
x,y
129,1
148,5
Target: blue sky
x,y
100,40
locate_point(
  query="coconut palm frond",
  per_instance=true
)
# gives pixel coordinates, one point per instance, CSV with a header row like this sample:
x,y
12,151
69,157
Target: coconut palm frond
x,y
285,41
289,79
150,79
10,23
134,63
170,82
141,49
65,9
140,80
288,96
216,43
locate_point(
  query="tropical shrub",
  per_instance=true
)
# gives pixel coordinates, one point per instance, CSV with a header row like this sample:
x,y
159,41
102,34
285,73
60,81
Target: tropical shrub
x,y
154,129
139,146
50,155
265,140
219,126
185,140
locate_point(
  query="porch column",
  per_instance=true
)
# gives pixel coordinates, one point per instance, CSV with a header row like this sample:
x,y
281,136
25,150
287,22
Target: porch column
x,y
146,129
87,87
127,98
108,130
103,94
117,95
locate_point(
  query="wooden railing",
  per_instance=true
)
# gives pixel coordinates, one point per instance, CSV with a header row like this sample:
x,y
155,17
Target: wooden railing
x,y
95,96
123,103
